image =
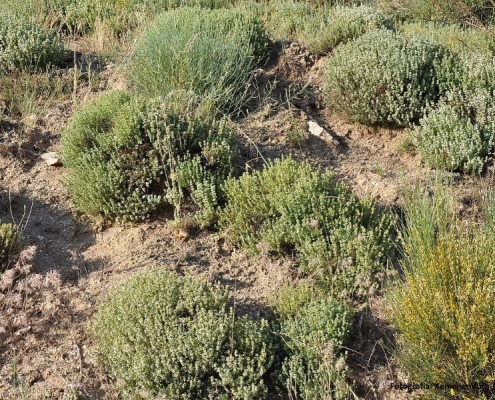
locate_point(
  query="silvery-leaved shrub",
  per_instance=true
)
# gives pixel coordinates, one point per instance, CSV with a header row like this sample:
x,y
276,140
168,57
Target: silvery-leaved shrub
x,y
24,45
163,334
384,77
342,25
460,132
315,366
456,37
126,156
211,53
10,243
448,140
294,208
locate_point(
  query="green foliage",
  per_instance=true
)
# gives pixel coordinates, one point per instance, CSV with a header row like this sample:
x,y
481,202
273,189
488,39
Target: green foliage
x,y
460,132
385,77
455,37
26,46
315,367
320,30
292,206
10,243
448,140
476,13
125,157
210,53
290,299
343,25
179,341
444,309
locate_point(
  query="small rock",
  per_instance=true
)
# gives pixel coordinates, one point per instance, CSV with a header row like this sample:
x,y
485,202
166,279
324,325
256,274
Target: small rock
x,y
317,130
51,158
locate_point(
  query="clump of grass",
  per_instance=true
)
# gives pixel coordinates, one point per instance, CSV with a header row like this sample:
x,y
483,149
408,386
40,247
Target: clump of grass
x,y
179,340
291,207
183,49
444,309
10,244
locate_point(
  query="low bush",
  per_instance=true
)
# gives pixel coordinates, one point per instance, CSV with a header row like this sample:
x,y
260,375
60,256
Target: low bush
x,y
448,140
319,30
179,341
10,244
455,37
315,367
125,157
26,46
444,309
289,299
343,25
291,206
385,78
460,132
183,49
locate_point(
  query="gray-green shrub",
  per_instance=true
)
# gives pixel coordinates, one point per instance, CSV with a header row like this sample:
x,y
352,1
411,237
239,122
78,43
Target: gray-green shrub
x,y
24,45
289,206
126,156
179,341
343,24
456,37
315,365
210,53
448,140
385,77
460,132
10,243
319,29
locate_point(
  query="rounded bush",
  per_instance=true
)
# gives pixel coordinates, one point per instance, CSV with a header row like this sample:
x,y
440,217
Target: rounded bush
x,y
26,46
384,78
179,341
125,157
315,368
291,206
209,52
460,132
448,140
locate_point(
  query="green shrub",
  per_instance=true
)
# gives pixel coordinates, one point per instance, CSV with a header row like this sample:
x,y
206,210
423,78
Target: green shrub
x,y
26,46
292,206
10,244
183,49
319,29
455,37
343,25
444,309
290,299
315,367
125,157
448,140
178,340
385,77
460,132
